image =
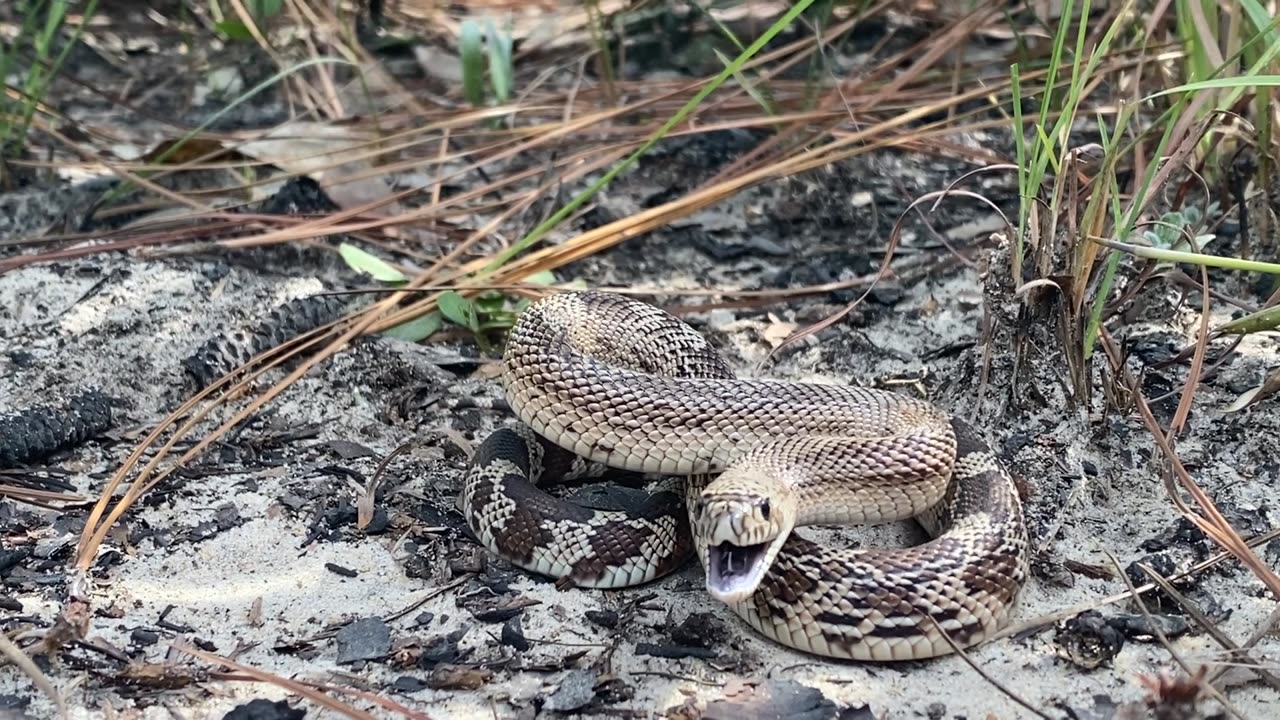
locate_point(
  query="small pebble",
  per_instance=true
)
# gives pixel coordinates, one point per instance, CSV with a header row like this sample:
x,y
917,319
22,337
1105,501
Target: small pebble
x,y
720,318
577,688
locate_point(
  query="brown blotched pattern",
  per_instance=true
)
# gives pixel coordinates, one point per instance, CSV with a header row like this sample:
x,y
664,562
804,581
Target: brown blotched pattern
x,y
536,531
601,380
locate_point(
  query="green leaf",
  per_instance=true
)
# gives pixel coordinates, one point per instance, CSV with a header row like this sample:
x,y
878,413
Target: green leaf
x,y
1220,83
361,261
459,311
470,46
545,277
1177,256
417,329
500,66
1261,18
262,9
1261,321
490,302
234,29
760,95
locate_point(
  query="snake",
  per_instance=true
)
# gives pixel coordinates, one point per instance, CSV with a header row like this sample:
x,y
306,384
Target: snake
x,y
601,382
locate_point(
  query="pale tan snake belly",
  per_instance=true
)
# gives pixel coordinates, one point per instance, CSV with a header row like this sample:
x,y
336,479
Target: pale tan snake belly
x,y
599,380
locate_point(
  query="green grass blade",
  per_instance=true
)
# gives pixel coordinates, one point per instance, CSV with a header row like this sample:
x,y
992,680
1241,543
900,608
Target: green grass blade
x,y
1242,81
1191,258
470,47
1261,321
501,69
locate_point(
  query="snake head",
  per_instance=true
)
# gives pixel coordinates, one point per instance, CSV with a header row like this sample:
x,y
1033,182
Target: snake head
x,y
741,533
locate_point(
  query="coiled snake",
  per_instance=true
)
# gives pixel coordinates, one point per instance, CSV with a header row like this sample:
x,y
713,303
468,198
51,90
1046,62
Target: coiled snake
x,y
599,380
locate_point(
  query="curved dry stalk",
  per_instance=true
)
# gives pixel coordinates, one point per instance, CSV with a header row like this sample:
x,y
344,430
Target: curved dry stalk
x,y
31,670
1212,524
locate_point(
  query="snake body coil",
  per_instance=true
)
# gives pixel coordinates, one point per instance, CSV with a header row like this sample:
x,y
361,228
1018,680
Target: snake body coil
x,y
599,380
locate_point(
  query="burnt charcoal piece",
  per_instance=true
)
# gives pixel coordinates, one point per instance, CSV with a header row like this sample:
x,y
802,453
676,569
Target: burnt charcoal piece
x,y
1142,629
674,652
1089,641
603,618
299,196
10,558
700,630
1182,532
441,650
1167,564
365,639
340,570
142,636
38,432
220,355
513,634
407,684
265,710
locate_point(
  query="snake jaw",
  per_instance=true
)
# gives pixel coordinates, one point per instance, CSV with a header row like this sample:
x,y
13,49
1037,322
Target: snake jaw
x,y
734,571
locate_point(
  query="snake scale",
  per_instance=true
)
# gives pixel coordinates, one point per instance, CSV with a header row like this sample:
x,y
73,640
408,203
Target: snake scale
x,y
600,381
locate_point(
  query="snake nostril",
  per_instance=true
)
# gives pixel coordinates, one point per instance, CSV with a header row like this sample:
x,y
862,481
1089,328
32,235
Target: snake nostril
x,y
764,508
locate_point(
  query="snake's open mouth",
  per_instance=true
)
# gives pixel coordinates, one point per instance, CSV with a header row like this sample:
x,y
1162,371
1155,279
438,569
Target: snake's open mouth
x,y
734,571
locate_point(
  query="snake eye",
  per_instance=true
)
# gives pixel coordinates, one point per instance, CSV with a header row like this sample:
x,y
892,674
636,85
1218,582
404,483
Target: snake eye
x,y
764,508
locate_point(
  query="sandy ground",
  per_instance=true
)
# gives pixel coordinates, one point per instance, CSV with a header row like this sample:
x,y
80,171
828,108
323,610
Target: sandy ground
x,y
256,555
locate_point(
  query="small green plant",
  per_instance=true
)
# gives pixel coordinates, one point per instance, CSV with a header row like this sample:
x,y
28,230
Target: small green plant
x,y
497,61
487,313
1176,228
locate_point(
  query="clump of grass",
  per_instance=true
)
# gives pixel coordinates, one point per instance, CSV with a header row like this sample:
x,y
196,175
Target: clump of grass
x,y
36,49
1078,219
